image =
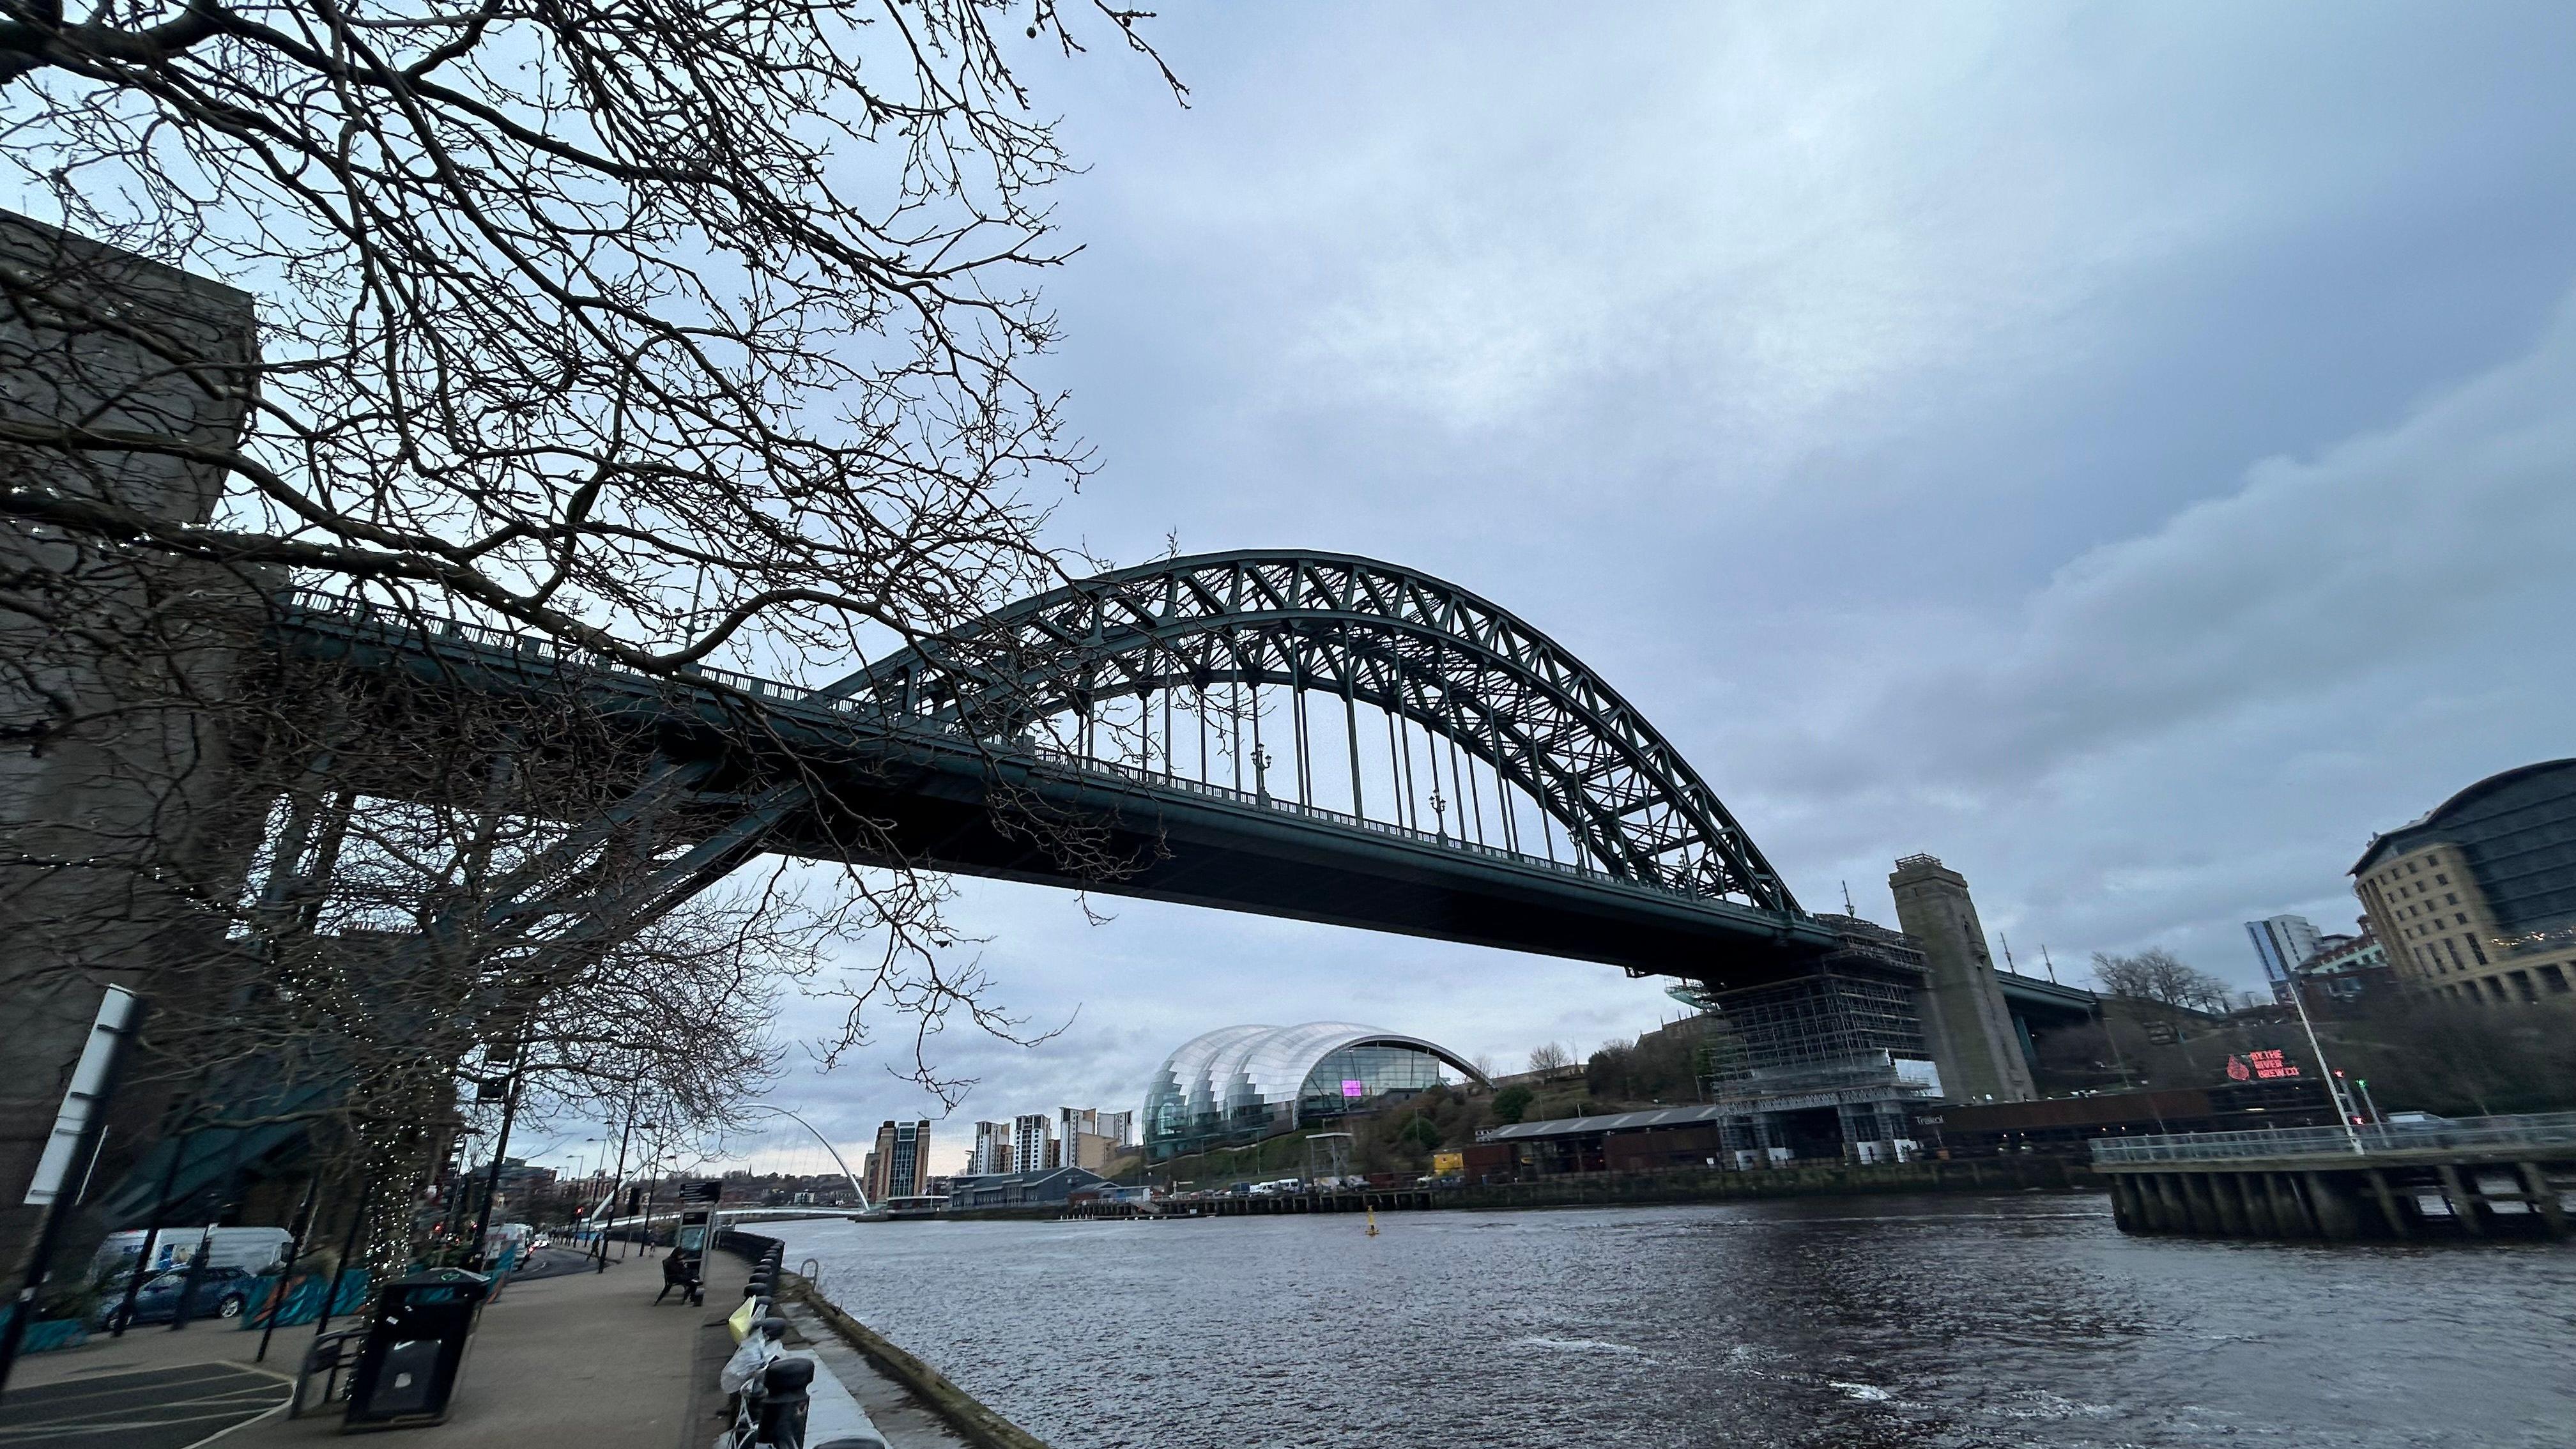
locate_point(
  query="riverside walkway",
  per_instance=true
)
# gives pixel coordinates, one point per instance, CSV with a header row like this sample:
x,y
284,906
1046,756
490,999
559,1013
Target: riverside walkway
x,y
573,1361
569,1360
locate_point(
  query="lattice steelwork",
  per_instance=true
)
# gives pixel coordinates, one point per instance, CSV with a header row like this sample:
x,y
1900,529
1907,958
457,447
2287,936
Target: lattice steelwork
x,y
1496,741
1517,717
1858,1004
1819,1021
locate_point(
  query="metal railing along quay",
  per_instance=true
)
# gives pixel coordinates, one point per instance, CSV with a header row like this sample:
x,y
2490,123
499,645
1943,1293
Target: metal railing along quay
x,y
2550,1131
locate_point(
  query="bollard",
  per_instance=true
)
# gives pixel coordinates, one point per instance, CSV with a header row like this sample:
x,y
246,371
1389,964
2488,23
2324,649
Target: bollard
x,y
783,1407
741,1377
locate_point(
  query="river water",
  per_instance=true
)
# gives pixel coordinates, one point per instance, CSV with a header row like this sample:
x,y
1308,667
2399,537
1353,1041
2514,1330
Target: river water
x,y
1934,1321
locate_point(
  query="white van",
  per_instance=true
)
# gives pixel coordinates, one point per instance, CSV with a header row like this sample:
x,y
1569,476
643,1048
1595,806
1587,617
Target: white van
x,y
252,1250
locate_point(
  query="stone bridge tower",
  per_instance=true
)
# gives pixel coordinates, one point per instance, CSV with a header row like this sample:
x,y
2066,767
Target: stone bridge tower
x,y
1965,1021
125,828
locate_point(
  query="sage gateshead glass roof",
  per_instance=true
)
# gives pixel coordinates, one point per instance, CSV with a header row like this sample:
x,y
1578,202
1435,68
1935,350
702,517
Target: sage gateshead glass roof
x,y
1241,1082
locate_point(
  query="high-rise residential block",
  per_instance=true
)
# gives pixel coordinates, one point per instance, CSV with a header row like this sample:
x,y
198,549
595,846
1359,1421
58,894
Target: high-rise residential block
x,y
1032,1143
992,1151
1088,1137
2283,944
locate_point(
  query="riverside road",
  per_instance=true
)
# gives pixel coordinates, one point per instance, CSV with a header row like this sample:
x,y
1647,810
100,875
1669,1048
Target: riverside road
x,y
2021,1320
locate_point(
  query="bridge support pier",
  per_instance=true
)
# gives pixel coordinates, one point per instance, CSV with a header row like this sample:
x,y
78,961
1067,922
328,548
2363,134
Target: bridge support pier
x,y
2169,1213
2544,1200
2227,1204
2464,1203
2202,1203
2336,1218
2397,1223
2291,1207
2254,1204
2124,1204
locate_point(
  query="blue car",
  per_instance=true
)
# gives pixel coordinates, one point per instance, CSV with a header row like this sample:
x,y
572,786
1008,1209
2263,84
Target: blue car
x,y
221,1293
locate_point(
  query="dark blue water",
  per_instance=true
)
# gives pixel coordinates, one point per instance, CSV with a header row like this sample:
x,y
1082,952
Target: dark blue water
x,y
2006,1321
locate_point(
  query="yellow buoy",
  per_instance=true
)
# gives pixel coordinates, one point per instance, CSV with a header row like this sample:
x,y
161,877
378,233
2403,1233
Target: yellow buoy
x,y
1372,1217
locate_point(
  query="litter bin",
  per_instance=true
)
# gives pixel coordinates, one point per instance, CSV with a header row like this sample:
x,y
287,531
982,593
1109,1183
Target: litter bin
x,y
415,1349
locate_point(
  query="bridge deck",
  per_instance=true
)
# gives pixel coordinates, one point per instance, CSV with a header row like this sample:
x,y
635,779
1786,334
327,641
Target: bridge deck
x,y
893,792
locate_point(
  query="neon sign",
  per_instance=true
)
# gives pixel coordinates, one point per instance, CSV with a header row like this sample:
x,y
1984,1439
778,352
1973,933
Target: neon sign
x,y
2266,1065
1358,1089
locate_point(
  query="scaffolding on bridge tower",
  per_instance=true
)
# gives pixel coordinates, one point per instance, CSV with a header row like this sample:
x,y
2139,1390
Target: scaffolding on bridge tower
x,y
1852,1015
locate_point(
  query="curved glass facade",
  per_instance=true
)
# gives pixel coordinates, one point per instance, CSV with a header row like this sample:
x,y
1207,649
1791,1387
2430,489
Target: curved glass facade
x,y
1354,1077
1243,1082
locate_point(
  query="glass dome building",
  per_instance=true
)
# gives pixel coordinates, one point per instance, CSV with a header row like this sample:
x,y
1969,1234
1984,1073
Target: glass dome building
x,y
1243,1082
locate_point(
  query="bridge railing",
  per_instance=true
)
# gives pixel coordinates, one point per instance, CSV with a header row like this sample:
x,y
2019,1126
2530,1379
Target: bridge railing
x,y
2540,1130
506,641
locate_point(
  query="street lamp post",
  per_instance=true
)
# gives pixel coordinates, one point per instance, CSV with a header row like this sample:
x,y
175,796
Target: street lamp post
x,y
652,1179
492,1179
647,1225
607,1209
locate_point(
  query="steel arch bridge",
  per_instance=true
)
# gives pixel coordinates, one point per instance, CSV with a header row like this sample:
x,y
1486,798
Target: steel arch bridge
x,y
1416,650
1449,772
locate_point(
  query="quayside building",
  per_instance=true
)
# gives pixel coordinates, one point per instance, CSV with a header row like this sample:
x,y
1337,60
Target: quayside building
x,y
1243,1083
2476,899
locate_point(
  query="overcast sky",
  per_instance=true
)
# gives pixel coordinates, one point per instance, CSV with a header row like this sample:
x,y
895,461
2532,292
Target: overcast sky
x,y
2125,451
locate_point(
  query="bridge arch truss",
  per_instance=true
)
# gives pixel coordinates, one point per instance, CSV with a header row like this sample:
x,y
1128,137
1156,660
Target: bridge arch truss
x,y
1507,720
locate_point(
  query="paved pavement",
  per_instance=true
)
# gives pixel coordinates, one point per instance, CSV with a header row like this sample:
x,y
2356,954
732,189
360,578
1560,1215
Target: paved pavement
x,y
153,1408
576,1360
566,1358
555,1262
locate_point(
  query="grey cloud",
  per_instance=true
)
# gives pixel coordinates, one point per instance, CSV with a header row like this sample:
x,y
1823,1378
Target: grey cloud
x,y
2123,451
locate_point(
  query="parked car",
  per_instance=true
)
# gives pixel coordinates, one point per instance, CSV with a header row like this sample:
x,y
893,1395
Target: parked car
x,y
221,1293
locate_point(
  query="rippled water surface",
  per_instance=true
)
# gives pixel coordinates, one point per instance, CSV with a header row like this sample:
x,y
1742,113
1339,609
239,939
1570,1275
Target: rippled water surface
x,y
2009,1321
